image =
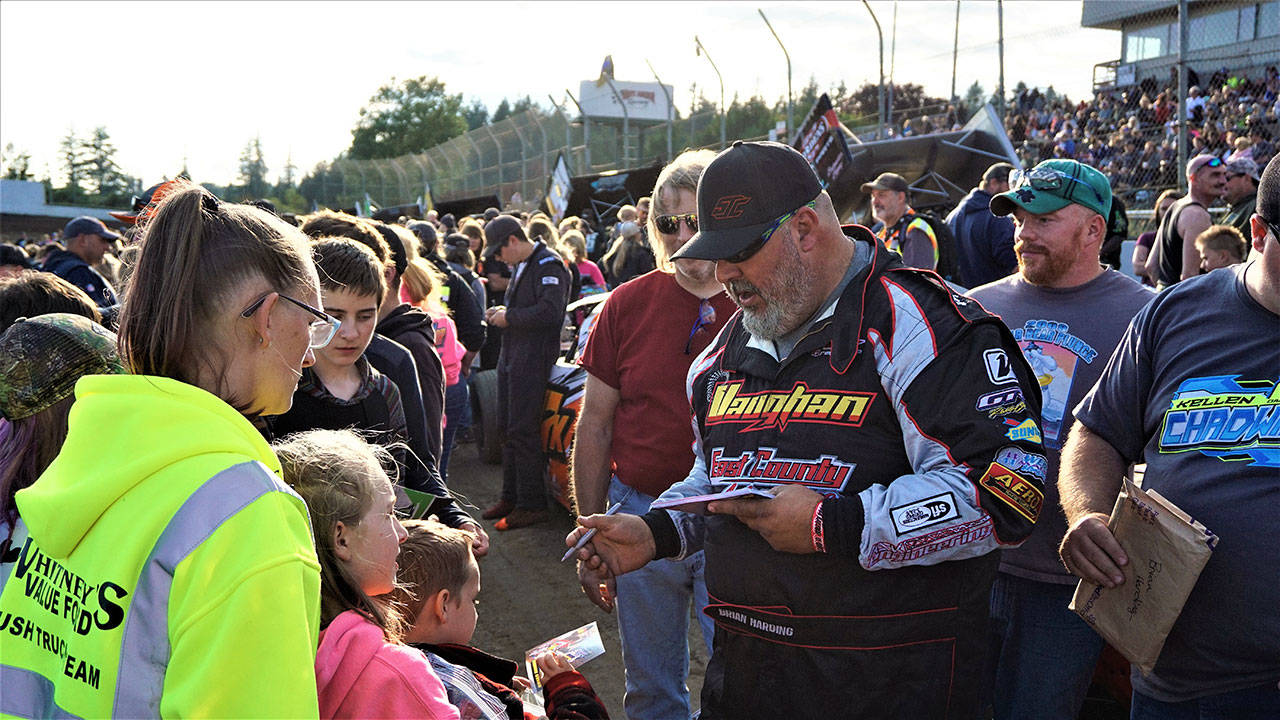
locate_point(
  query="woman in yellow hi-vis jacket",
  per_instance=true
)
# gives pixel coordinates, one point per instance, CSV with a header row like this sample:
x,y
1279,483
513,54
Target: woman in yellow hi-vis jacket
x,y
168,570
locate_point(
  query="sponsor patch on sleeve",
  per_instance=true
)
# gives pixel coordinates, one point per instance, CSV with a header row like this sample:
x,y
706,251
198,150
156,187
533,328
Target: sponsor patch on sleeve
x,y
999,368
924,513
1024,430
548,259
550,280
1020,461
1013,490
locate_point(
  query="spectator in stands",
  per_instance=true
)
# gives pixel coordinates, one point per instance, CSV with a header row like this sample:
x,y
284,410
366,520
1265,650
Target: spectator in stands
x,y
1142,248
634,439
362,669
1220,246
35,293
1173,259
41,359
531,317
1067,313
898,226
1240,193
437,583
984,241
86,240
162,468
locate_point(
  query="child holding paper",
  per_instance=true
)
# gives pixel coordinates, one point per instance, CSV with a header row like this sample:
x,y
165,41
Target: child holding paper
x,y
438,581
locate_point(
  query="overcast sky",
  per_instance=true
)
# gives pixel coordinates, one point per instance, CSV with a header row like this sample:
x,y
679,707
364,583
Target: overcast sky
x,y
199,80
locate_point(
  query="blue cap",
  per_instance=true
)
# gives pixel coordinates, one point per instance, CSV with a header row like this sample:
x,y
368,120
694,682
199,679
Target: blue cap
x,y
85,225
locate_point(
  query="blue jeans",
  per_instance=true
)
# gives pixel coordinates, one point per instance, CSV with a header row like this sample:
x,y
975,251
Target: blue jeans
x,y
457,412
653,620
1255,703
1042,654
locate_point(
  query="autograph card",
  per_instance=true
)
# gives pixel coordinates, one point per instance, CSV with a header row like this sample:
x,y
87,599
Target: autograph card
x,y
697,504
579,645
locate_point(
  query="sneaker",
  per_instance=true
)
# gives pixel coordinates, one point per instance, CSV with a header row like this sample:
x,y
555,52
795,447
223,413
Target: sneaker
x,y
520,517
500,509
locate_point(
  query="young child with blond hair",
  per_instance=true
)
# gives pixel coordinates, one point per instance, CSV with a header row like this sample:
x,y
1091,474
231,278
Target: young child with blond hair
x,y
439,580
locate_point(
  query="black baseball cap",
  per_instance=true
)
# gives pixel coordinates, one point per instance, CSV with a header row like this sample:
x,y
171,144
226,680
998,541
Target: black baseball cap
x,y
496,232
742,192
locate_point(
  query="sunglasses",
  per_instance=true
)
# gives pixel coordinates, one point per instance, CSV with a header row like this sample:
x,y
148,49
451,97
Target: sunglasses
x,y
670,224
706,316
1045,179
320,332
750,250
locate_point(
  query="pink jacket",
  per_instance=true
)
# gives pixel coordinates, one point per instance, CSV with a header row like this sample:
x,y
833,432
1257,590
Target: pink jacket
x,y
361,675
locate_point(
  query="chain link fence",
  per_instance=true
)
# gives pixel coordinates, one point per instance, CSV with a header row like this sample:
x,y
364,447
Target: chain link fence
x,y
1129,127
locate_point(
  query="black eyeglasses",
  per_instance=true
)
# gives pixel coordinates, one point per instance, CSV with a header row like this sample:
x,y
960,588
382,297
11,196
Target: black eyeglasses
x,y
706,316
747,252
670,224
1046,179
320,331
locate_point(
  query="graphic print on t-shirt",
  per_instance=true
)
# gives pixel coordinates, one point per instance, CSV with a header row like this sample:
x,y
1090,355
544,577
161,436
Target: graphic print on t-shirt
x,y
1225,417
1052,351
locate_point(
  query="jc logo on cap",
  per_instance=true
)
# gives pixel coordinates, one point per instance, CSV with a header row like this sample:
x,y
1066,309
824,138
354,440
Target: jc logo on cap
x,y
729,207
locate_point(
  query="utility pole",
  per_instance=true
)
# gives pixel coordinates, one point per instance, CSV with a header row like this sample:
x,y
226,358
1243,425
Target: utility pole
x,y
955,53
586,132
893,58
880,96
1000,23
626,120
787,55
670,106
702,50
1181,108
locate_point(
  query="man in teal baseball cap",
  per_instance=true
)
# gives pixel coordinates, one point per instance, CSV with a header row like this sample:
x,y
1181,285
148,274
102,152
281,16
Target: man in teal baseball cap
x,y
1052,185
1068,313
1070,202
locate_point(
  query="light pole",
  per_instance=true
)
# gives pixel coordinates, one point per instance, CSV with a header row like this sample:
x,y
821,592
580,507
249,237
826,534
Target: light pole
x,y
955,52
626,120
787,55
586,131
670,106
879,32
702,50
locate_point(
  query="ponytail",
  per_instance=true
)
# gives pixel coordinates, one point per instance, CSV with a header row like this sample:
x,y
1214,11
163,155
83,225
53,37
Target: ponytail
x,y
195,253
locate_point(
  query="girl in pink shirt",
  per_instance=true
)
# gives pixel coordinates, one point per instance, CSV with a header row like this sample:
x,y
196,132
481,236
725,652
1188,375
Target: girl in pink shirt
x,y
421,289
363,670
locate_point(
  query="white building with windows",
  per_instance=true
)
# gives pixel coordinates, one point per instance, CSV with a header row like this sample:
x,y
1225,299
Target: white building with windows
x,y
1243,37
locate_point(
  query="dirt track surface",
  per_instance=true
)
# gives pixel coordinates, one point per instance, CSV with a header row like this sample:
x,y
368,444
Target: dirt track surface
x,y
527,595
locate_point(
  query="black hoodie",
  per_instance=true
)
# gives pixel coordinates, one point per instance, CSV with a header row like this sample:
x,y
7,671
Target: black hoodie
x,y
984,242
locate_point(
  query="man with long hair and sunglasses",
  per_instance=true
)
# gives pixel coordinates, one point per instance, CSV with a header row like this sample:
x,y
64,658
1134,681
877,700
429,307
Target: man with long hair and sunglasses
x,y
1174,257
633,439
1192,391
847,388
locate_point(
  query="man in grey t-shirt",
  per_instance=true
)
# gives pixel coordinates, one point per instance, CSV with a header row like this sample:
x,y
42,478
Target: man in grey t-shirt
x,y
1194,390
1068,313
